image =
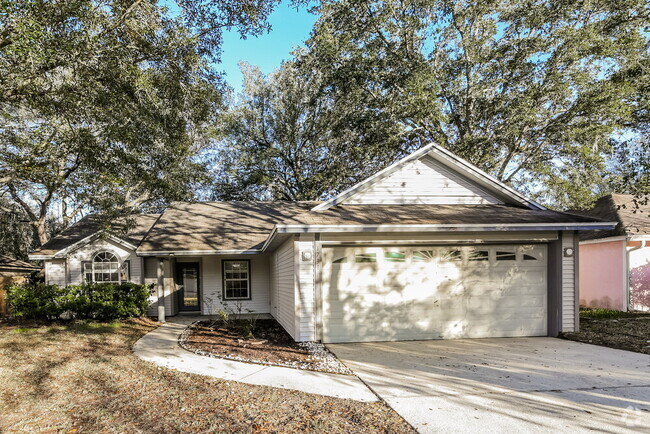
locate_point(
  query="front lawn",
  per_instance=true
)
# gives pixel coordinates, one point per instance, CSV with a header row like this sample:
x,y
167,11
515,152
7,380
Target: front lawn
x,y
609,328
84,377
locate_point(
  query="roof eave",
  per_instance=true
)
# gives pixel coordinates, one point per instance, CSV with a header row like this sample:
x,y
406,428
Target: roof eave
x,y
479,227
149,253
33,257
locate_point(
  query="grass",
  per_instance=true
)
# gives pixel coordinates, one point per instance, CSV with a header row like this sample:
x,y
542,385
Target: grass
x,y
84,377
605,314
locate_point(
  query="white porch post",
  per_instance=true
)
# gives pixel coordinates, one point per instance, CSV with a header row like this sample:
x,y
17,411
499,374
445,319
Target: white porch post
x,y
161,290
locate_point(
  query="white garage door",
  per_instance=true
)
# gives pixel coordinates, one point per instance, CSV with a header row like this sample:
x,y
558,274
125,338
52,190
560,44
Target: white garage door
x,y
405,293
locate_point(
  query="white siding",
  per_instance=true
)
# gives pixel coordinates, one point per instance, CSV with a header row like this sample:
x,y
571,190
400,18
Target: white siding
x,y
273,283
55,272
285,284
423,181
305,305
87,252
212,285
568,284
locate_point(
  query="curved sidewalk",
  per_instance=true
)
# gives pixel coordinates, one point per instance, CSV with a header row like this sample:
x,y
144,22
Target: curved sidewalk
x,y
161,347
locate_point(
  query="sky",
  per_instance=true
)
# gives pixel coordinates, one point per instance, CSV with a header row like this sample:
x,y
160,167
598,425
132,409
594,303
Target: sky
x,y
289,29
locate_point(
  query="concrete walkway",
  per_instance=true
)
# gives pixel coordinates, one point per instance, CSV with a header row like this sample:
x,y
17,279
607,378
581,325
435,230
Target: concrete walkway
x,y
161,347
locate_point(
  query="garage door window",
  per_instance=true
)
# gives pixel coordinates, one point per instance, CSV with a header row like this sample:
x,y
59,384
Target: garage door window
x,y
506,256
529,258
479,255
341,260
395,256
423,255
365,257
451,256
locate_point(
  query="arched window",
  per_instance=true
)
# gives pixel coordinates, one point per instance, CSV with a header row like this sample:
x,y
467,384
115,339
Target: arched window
x,y
106,267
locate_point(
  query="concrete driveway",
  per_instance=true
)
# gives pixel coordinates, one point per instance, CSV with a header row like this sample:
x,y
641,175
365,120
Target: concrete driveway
x,y
506,384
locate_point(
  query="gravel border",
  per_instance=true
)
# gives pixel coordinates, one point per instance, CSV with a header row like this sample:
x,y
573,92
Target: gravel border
x,y
324,360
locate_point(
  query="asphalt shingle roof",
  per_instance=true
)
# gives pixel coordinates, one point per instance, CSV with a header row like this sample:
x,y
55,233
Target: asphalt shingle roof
x,y
242,225
218,225
89,225
11,264
632,215
210,226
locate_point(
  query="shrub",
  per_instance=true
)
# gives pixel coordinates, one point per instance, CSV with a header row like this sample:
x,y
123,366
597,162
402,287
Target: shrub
x,y
602,313
101,301
36,301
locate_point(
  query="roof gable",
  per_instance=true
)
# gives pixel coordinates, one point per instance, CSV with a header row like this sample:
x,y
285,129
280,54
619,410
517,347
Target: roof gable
x,y
431,175
87,229
423,181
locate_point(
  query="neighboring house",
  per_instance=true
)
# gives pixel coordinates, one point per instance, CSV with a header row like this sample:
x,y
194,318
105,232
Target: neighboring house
x,y
430,247
13,271
615,264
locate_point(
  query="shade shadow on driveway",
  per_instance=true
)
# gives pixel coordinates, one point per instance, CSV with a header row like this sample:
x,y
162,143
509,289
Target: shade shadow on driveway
x,y
506,384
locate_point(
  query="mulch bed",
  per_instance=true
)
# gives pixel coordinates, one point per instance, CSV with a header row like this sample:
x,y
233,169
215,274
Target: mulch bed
x,y
631,334
271,345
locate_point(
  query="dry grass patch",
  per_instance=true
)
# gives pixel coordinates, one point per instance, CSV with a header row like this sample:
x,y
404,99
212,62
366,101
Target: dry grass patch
x,y
85,377
621,330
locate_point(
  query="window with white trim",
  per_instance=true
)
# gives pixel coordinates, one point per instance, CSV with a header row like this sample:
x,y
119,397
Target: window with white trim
x,y
236,279
106,268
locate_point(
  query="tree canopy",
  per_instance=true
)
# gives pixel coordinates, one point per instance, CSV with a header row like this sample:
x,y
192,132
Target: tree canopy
x,y
104,103
529,90
286,138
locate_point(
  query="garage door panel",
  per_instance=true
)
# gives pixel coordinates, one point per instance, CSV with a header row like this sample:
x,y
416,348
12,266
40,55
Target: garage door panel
x,y
434,292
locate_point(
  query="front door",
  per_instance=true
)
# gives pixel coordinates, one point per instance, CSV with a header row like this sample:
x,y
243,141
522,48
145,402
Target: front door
x,y
188,284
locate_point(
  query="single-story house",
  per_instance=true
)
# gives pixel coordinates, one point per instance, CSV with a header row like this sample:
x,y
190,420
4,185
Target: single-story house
x,y
428,248
13,271
615,264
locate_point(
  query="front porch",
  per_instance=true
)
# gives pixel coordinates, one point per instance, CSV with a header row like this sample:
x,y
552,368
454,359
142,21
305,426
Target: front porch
x,y
201,286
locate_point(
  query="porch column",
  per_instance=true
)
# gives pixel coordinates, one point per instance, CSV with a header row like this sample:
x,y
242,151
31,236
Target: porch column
x,y
161,290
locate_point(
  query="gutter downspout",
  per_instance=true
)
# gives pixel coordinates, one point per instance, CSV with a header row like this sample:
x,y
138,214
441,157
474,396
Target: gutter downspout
x,y
627,270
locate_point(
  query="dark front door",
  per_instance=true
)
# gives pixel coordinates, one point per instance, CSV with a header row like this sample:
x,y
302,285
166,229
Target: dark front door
x,y
189,285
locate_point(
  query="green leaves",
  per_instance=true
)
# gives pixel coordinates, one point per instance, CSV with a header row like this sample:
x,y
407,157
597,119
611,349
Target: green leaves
x,y
526,89
287,138
104,105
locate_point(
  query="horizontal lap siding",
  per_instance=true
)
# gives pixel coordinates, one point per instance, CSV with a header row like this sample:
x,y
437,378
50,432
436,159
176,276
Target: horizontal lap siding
x,y
423,181
212,285
55,272
568,284
305,306
285,284
87,252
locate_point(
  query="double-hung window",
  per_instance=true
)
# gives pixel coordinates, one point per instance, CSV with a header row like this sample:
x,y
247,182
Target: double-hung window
x,y
236,279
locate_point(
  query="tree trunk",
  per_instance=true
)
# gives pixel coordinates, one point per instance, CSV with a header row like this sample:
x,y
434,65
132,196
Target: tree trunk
x,y
41,231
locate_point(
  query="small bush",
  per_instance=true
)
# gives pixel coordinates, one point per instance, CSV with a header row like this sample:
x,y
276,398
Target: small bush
x,y
100,301
36,301
601,313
